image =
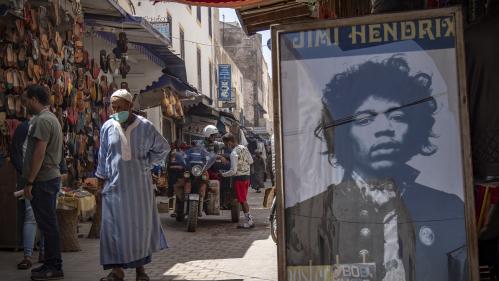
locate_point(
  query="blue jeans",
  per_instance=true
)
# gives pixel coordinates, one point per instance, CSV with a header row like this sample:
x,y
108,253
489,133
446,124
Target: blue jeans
x,y
44,207
29,231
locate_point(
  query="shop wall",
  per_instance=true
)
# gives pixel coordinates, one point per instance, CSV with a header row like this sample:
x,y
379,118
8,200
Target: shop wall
x,y
155,116
196,36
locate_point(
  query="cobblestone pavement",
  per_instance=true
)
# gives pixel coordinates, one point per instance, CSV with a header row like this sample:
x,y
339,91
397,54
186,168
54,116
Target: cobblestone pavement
x,y
216,251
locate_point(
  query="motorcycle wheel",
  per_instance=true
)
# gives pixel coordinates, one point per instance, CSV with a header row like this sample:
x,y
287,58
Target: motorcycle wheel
x,y
192,219
234,211
273,221
180,211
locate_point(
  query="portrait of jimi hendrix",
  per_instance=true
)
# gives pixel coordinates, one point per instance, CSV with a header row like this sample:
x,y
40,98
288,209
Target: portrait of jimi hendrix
x,y
377,116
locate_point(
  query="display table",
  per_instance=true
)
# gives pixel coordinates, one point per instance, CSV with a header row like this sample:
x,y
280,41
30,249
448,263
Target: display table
x,y
85,206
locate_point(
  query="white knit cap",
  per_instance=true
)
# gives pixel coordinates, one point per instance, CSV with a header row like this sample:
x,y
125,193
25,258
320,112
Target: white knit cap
x,y
124,94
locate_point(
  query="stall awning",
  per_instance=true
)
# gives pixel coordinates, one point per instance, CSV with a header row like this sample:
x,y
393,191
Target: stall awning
x,y
153,94
103,7
217,3
142,36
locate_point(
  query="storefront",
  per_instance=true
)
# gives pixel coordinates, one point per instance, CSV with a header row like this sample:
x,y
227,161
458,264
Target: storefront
x,y
81,52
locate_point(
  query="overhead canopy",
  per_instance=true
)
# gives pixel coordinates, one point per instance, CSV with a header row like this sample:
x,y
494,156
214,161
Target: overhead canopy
x,y
217,3
254,18
143,36
152,95
103,7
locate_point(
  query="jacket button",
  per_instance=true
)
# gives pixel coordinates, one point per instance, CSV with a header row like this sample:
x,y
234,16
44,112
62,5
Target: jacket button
x,y
365,232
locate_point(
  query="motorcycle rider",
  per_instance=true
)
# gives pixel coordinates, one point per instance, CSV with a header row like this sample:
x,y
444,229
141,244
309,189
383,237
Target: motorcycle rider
x,y
210,133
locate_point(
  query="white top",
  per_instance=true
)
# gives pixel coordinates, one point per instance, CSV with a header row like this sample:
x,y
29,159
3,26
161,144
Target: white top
x,y
240,162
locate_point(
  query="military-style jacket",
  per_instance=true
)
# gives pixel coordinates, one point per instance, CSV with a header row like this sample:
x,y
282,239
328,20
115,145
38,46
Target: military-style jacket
x,y
339,225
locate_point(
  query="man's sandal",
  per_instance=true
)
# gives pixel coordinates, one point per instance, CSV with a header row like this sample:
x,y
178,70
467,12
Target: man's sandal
x,y
24,264
142,276
111,277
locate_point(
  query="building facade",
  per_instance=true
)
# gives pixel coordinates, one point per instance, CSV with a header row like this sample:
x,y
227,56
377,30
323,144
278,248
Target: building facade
x,y
246,52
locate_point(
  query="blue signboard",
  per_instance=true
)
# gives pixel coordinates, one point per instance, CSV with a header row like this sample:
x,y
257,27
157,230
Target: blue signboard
x,y
224,82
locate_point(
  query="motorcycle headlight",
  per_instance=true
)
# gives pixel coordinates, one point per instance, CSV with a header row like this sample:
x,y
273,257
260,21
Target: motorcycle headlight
x,y
197,170
187,175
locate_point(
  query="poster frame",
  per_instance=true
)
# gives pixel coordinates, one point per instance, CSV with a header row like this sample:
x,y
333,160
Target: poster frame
x,y
469,208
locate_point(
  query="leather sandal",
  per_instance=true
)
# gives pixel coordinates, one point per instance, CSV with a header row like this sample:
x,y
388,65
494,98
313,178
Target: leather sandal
x,y
43,18
9,79
59,43
21,61
31,66
35,52
33,23
11,56
18,102
112,277
55,13
103,61
24,264
142,276
11,105
21,32
111,63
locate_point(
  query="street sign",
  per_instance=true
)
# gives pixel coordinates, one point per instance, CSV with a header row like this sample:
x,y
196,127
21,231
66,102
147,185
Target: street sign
x,y
224,82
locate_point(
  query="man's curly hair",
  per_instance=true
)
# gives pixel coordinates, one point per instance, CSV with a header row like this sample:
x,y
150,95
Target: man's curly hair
x,y
388,79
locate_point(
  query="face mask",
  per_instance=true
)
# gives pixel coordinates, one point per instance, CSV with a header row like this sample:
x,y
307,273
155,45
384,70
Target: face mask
x,y
121,117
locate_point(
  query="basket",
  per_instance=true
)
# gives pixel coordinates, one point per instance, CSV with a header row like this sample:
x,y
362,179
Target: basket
x,y
68,224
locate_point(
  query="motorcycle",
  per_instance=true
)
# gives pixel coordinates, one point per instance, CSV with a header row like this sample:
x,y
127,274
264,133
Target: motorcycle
x,y
190,202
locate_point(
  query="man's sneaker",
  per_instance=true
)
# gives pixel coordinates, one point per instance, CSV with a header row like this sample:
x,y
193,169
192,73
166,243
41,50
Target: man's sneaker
x,y
46,273
248,222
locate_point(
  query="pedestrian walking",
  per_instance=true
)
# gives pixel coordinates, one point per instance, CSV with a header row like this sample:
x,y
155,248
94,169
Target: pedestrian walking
x,y
18,150
258,182
131,230
240,162
269,160
41,177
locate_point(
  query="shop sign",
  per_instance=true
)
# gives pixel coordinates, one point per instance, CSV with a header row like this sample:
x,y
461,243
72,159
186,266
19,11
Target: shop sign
x,y
224,82
376,180
163,28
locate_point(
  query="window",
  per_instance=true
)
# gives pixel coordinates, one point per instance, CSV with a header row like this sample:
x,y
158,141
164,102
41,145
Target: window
x,y
182,43
210,77
170,25
200,80
199,13
210,31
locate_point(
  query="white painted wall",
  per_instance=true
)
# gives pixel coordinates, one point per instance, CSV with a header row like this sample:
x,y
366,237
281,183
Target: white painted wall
x,y
196,35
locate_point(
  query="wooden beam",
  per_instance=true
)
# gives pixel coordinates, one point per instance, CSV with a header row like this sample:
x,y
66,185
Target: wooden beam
x,y
252,29
277,13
